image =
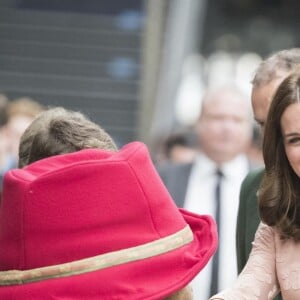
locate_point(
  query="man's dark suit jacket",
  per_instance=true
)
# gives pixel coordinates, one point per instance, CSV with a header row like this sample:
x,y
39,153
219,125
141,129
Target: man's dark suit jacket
x,y
248,216
175,178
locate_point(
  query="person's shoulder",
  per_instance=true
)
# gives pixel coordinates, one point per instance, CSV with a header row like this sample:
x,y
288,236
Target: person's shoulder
x,y
251,183
254,176
173,167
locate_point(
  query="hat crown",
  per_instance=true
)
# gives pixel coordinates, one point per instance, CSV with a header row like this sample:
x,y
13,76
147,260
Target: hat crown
x,y
83,204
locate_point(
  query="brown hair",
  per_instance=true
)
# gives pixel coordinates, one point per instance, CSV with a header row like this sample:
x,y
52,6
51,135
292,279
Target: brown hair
x,y
273,66
279,195
57,131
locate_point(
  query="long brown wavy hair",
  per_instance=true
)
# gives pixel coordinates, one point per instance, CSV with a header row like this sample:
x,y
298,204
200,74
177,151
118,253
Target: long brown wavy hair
x,y
279,195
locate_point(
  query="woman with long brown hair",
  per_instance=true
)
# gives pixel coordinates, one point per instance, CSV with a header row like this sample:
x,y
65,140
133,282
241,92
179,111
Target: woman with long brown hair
x,y
274,262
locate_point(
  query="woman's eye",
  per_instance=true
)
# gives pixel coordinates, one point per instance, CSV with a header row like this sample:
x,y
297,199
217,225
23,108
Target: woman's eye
x,y
294,140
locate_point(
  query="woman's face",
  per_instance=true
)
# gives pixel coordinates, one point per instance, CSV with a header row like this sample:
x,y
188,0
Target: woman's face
x,y
290,128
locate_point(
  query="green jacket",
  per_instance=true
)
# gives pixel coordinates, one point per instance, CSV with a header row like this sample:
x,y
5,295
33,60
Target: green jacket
x,y
248,217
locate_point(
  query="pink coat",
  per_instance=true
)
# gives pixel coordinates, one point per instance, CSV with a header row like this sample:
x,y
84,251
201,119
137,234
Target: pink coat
x,y
273,266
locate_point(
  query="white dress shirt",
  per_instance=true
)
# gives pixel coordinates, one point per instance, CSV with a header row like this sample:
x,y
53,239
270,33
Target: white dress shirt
x,y
200,198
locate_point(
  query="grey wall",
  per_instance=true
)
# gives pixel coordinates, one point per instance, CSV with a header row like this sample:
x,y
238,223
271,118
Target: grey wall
x,y
83,61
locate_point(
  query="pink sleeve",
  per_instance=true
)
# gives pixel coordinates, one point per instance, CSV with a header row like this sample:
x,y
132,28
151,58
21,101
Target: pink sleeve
x,y
258,279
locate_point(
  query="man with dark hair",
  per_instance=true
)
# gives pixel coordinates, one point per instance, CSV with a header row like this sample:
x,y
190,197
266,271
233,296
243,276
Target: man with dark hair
x,y
179,148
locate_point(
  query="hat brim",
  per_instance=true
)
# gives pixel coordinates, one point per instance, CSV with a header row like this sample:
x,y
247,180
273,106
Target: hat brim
x,y
151,278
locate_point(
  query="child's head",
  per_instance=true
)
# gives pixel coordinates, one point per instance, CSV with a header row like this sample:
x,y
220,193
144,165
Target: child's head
x,y
57,131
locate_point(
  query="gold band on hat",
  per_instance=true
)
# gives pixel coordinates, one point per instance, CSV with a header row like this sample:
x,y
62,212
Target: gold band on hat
x,y
99,262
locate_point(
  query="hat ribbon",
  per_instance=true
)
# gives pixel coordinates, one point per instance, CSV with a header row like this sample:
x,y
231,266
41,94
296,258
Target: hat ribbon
x,y
99,262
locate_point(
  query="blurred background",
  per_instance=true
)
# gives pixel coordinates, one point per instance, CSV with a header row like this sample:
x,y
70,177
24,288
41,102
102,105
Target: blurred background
x,y
138,68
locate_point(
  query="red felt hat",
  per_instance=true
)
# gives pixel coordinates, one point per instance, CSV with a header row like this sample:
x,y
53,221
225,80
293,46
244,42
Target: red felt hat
x,y
97,225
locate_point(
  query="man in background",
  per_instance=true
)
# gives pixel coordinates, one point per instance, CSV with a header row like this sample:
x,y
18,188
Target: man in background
x,y
15,116
211,183
178,147
21,112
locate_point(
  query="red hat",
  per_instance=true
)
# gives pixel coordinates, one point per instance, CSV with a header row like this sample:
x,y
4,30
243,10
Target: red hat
x,y
94,225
